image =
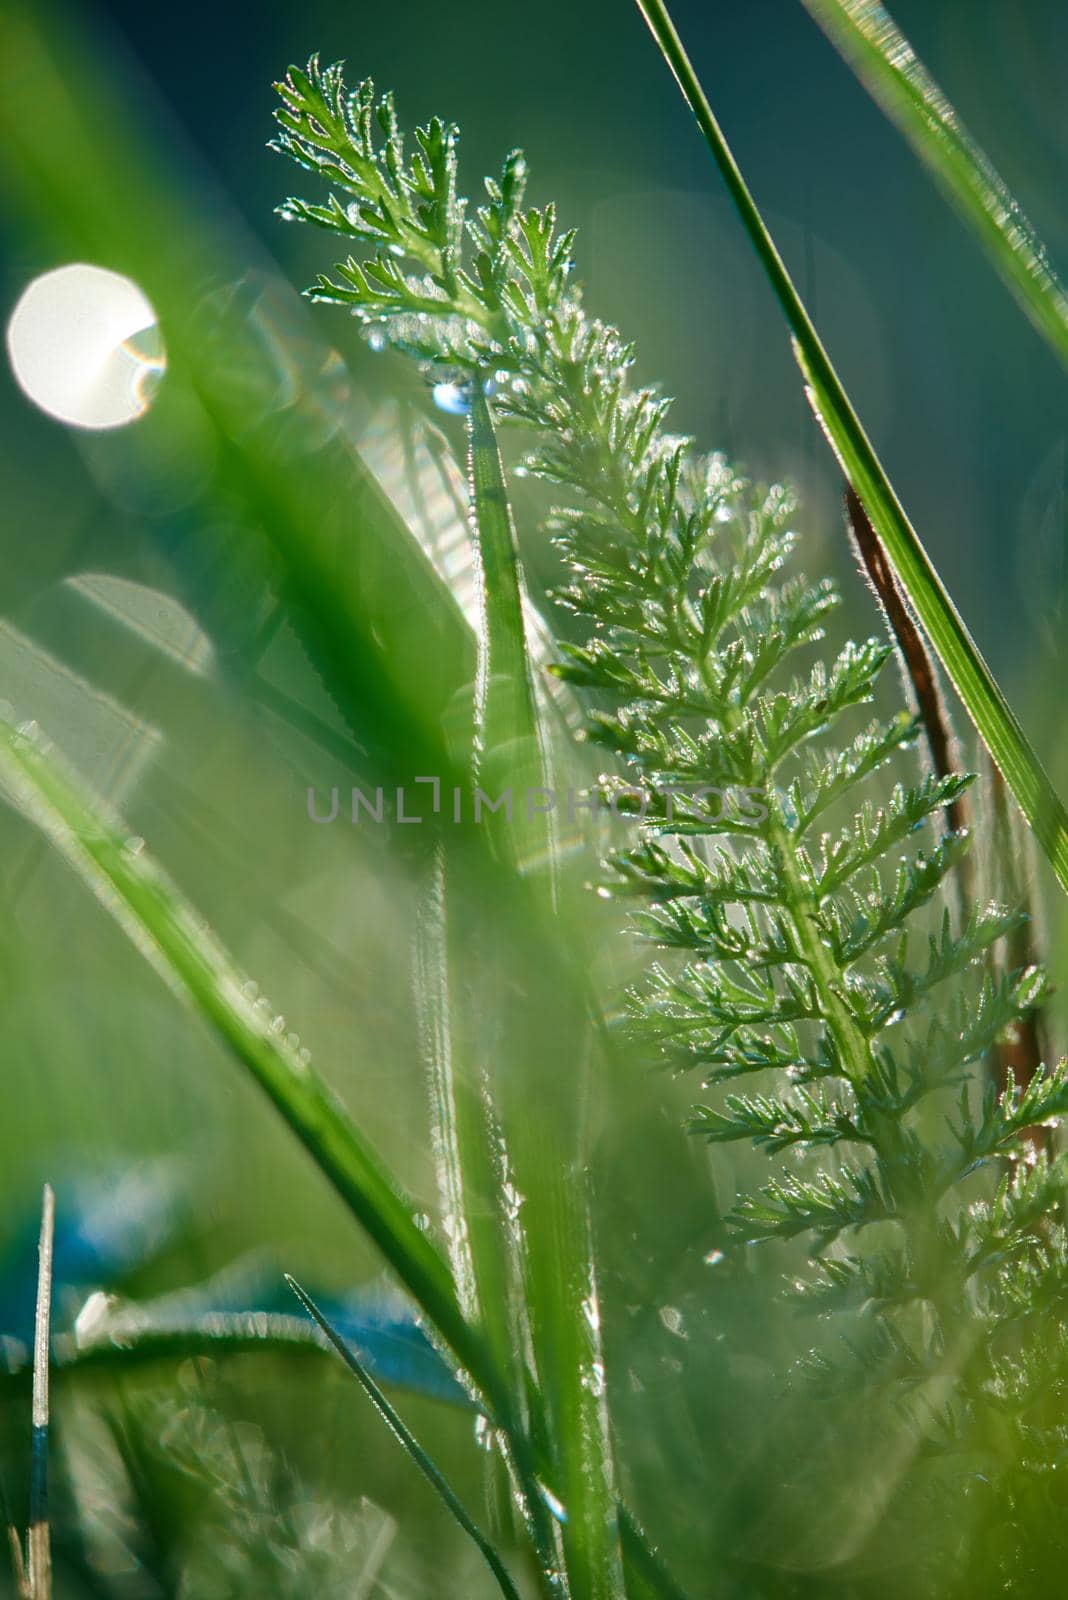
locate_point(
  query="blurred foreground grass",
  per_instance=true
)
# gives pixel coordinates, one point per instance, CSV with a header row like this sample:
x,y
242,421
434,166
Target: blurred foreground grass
x,y
158,632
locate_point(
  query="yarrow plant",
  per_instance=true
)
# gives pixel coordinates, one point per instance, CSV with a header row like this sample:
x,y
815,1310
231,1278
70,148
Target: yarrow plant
x,y
817,981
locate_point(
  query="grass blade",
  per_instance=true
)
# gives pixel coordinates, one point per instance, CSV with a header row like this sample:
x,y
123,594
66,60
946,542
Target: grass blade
x,y
18,1565
195,965
39,1565
647,1576
873,45
409,1443
506,692
509,751
919,677
464,1139
32,1570
467,1155
553,1250
979,692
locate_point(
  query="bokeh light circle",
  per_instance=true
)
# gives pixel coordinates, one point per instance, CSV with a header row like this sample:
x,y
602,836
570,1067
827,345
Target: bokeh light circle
x,y
84,345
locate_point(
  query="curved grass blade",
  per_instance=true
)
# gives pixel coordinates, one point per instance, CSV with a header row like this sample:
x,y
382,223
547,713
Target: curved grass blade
x,y
870,41
407,1440
168,933
979,692
111,1338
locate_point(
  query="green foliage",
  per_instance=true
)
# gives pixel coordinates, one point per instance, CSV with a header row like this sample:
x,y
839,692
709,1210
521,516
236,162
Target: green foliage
x,y
179,944
802,910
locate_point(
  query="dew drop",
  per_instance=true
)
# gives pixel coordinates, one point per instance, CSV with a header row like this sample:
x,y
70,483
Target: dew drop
x,y
512,1200
593,1381
484,1435
671,1317
556,1506
452,397
714,1257
133,845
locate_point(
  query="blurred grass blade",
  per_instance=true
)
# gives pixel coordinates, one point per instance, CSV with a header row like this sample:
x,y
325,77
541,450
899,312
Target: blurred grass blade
x,y
415,465
979,692
409,1443
882,58
194,964
647,1578
18,1565
87,179
459,1119
466,1147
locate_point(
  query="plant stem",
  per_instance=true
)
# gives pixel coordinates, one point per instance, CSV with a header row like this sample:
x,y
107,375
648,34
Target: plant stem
x,y
980,694
409,1443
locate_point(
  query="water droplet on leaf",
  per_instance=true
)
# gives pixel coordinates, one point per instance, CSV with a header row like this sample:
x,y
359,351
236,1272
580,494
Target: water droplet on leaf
x,y
455,398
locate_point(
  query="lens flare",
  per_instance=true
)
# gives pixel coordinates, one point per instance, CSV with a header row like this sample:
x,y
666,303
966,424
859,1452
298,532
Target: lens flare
x,y
84,345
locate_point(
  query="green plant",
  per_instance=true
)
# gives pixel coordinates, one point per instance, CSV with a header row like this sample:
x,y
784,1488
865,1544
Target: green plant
x,y
868,1405
1017,253
811,969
